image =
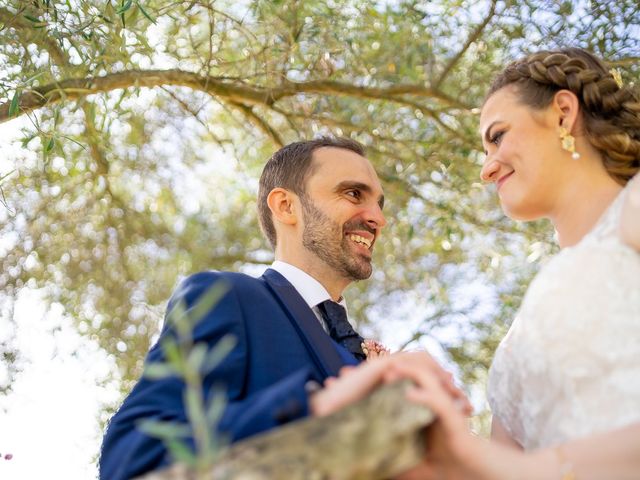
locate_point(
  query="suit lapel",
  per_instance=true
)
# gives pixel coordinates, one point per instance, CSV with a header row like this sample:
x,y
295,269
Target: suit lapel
x,y
306,323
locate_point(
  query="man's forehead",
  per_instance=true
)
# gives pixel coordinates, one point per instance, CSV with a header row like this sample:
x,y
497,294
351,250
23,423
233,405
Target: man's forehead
x,y
330,152
336,172
333,162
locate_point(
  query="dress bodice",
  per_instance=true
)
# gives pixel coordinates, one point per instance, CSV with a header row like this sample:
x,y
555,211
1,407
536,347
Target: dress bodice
x,y
570,363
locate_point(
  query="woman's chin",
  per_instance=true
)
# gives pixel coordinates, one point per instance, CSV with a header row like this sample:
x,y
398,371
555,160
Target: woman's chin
x,y
519,212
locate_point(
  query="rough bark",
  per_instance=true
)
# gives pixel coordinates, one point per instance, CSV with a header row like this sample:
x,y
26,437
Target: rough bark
x,y
238,92
376,438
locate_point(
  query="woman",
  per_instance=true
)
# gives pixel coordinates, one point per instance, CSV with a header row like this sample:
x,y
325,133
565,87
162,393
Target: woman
x,y
562,138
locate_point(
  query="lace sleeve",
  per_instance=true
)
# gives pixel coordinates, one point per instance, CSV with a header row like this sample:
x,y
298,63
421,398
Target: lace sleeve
x,y
569,365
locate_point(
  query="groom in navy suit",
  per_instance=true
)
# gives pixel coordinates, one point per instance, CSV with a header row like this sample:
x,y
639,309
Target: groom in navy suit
x,y
320,205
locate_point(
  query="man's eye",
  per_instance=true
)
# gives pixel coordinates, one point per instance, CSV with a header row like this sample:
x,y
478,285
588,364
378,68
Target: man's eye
x,y
354,193
496,137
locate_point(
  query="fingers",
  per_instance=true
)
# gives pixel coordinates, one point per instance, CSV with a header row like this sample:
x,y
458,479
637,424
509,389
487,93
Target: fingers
x,y
330,381
423,471
347,389
429,377
441,404
434,398
429,390
465,407
346,370
423,364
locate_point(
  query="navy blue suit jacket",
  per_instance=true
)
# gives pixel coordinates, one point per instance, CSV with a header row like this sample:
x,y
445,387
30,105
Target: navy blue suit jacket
x,y
280,347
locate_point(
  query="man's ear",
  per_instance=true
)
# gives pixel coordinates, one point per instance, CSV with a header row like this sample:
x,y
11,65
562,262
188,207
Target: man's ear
x,y
282,205
566,104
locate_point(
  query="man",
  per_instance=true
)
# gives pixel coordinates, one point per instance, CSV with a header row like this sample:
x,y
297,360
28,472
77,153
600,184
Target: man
x,y
320,205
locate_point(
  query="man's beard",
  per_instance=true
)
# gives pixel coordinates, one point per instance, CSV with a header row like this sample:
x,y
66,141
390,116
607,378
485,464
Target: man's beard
x,y
326,239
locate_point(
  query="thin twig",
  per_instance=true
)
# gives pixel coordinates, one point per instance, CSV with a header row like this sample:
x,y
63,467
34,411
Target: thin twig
x,y
472,38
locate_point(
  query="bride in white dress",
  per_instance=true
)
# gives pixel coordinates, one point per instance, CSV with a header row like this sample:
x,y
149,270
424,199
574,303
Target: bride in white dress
x,y
562,138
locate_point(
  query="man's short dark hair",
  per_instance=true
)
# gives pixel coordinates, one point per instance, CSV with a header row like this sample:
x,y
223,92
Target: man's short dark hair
x,y
289,168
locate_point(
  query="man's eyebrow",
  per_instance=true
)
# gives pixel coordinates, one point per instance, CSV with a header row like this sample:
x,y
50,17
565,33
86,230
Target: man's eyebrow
x,y
349,184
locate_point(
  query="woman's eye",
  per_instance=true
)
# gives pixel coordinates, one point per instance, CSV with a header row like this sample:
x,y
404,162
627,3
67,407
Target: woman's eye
x,y
496,137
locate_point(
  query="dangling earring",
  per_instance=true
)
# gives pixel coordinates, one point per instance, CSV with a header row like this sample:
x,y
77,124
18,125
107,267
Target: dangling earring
x,y
568,143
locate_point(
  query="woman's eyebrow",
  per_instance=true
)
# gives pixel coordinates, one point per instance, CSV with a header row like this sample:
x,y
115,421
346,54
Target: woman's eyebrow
x,y
487,137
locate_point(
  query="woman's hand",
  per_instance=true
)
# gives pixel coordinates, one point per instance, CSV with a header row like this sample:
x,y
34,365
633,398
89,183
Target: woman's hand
x,y
354,383
448,441
454,453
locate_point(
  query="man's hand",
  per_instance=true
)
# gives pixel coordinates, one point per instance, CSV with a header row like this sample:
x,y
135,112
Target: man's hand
x,y
433,387
354,383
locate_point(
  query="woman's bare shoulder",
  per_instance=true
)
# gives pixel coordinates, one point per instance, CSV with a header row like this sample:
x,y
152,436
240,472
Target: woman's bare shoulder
x,y
630,216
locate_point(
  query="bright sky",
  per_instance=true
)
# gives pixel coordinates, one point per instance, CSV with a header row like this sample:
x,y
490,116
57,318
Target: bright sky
x,y
49,421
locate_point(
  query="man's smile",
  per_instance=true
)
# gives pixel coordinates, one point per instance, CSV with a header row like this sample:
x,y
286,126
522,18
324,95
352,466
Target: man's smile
x,y
361,240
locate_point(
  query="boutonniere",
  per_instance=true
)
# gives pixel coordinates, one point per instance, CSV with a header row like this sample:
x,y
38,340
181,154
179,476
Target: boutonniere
x,y
373,349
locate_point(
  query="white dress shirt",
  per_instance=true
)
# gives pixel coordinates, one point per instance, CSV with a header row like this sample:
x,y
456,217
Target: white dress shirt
x,y
310,289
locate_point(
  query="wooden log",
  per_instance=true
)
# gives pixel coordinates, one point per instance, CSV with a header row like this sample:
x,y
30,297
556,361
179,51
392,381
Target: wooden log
x,y
376,438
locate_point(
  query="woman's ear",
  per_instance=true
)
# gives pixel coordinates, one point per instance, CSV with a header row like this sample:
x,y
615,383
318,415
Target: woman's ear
x,y
566,104
281,203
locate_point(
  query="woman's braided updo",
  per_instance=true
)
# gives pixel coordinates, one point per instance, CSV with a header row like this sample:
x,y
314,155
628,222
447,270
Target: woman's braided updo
x,y
611,113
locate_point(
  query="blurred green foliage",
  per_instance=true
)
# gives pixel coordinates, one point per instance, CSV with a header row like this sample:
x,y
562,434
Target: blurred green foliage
x,y
190,362
117,192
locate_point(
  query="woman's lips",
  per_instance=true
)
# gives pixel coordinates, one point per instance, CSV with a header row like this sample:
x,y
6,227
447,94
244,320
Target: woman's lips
x,y
503,179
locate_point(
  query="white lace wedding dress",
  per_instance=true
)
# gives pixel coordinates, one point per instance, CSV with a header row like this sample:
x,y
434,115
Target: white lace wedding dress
x,y
570,364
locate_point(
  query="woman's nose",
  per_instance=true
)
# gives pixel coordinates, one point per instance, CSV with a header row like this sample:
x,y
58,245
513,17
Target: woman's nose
x,y
489,170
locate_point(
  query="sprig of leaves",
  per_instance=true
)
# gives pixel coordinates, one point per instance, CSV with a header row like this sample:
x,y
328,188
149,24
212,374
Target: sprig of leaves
x,y
191,362
126,5
15,104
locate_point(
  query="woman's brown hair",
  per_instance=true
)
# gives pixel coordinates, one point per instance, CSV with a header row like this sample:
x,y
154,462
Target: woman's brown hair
x,y
610,112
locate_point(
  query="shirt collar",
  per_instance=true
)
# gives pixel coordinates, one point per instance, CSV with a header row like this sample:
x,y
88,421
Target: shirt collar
x,y
310,289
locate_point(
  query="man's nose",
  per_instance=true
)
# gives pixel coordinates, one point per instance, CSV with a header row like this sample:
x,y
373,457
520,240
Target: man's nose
x,y
375,217
490,170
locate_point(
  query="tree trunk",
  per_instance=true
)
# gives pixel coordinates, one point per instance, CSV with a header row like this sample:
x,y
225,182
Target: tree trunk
x,y
376,438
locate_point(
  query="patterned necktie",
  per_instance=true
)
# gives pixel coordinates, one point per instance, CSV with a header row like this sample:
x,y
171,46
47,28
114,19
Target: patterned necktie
x,y
340,329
